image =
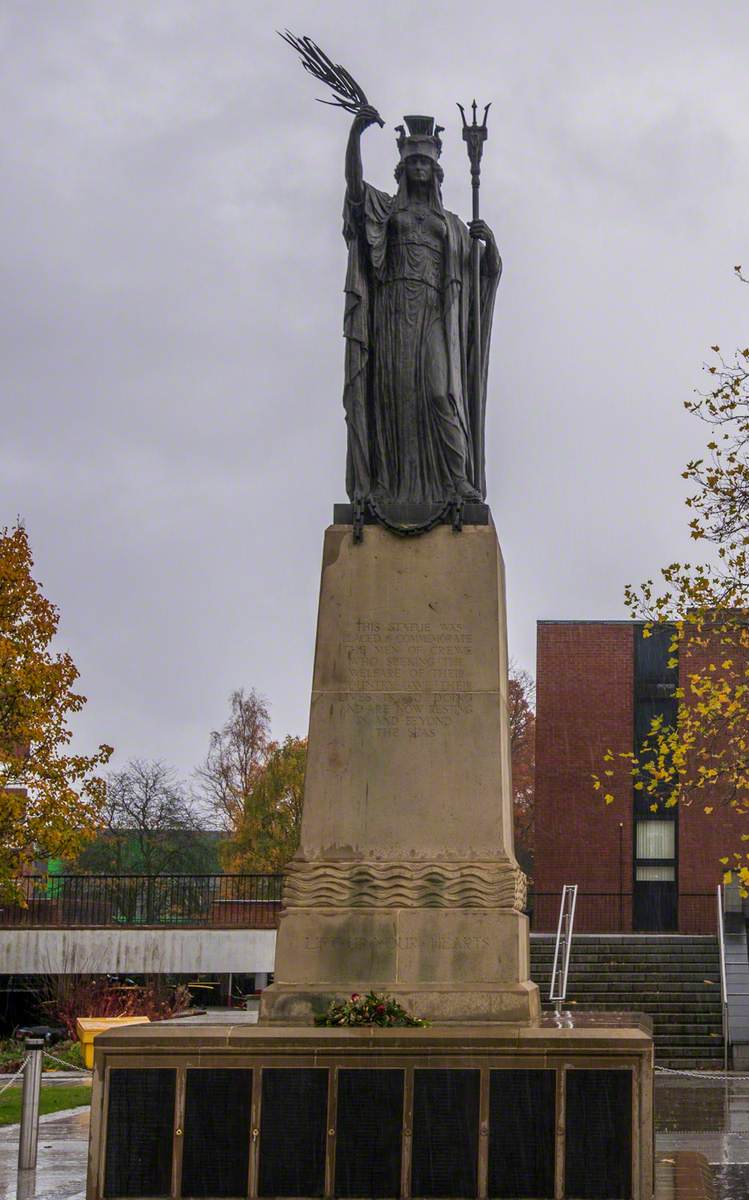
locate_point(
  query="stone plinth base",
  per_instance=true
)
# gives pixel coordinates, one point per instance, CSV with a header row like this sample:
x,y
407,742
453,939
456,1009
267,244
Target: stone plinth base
x,y
447,964
560,1109
516,1003
406,879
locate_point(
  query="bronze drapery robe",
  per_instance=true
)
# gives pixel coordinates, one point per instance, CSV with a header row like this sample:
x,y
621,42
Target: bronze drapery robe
x,y
366,232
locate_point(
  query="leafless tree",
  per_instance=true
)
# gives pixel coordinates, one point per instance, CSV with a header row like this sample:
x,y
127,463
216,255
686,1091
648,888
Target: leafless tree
x,y
521,703
150,822
236,754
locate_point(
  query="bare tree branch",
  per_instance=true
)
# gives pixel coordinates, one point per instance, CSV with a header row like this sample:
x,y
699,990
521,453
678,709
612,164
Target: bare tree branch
x,y
236,754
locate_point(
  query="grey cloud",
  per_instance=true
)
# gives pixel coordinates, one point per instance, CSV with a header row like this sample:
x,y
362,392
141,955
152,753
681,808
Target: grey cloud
x,y
172,268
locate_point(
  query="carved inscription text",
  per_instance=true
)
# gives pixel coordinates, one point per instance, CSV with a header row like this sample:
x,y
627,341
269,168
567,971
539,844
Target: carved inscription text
x,y
408,656
412,677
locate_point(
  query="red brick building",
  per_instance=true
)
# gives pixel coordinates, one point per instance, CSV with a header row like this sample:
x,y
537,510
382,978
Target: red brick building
x,y
598,686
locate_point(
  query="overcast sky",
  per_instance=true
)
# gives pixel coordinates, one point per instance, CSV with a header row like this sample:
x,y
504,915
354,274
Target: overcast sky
x,y
171,278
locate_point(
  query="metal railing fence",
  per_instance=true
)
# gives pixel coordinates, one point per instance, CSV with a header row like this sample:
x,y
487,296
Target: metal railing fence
x,y
596,912
611,912
234,901
254,902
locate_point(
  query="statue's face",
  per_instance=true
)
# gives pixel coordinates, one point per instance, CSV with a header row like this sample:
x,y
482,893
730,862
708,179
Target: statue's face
x,y
418,168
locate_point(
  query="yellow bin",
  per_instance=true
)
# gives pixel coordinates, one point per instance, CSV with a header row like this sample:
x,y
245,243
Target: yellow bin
x,y
88,1027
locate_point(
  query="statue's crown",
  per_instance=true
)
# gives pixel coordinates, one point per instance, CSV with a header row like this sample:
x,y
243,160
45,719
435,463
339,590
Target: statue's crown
x,y
423,137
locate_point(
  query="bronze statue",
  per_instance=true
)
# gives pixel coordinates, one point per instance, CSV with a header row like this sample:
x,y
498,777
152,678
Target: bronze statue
x,y
410,354
418,284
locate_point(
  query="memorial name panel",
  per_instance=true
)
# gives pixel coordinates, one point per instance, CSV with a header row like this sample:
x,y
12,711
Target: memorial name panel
x,y
445,1133
369,1129
215,1160
598,1160
140,1131
522,1111
292,1132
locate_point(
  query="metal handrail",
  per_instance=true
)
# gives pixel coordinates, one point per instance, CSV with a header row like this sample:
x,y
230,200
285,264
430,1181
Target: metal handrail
x,y
723,984
559,971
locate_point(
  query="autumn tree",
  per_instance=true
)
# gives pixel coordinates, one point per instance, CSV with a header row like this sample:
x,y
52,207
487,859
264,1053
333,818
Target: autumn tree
x,y
521,699
236,753
50,798
704,757
253,786
267,833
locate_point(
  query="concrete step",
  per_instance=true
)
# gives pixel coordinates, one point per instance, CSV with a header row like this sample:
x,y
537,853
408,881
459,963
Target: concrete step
x,y
693,961
674,979
579,966
605,966
633,995
709,978
630,1001
695,1024
601,953
702,1056
635,939
690,1039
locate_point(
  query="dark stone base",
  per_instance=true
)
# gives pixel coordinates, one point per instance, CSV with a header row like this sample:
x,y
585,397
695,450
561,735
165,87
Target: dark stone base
x,y
412,514
561,1109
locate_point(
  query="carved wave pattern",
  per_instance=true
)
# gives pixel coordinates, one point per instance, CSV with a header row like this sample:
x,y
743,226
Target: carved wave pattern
x,y
404,885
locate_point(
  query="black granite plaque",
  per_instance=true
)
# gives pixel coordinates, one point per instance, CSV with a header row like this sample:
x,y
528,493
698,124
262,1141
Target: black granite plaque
x,y
521,1134
292,1132
216,1153
598,1137
445,1133
369,1128
140,1130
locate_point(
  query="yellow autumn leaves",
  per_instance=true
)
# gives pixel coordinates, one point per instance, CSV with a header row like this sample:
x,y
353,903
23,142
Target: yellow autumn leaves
x,y
50,798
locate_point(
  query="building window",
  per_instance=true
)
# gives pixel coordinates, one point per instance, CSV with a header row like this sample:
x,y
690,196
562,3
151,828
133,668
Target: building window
x,y
651,874
656,839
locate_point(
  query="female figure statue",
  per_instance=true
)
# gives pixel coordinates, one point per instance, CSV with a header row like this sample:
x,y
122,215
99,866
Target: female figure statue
x,y
414,434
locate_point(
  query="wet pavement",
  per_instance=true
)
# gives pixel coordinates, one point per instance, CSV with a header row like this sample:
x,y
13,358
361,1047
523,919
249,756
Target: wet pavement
x,y
707,1115
712,1117
61,1160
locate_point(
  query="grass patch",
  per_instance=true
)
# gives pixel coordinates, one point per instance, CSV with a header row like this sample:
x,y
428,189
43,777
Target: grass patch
x,y
53,1099
12,1054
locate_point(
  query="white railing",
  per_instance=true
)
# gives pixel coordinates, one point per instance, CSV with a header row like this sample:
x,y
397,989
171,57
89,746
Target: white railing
x,y
563,946
723,987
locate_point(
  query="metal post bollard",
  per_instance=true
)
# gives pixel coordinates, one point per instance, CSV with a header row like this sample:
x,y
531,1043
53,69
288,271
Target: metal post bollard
x,y
32,1083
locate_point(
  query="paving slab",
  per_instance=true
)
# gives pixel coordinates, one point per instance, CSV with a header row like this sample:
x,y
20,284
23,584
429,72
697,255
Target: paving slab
x,y
711,1116
61,1160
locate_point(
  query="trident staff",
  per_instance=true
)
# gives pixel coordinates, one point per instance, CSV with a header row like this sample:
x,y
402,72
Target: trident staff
x,y
474,135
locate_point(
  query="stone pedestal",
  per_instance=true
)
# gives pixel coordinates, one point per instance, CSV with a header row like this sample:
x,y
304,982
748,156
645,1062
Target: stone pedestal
x,y
562,1108
406,879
